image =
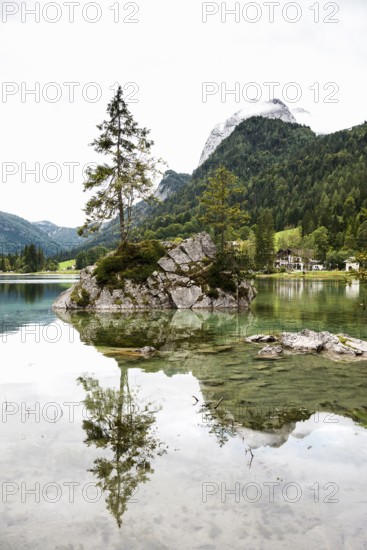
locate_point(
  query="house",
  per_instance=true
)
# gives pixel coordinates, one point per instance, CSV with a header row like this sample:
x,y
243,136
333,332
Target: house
x,y
316,267
297,260
289,259
351,264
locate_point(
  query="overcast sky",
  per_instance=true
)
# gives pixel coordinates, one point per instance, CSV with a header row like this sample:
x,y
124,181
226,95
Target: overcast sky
x,y
167,54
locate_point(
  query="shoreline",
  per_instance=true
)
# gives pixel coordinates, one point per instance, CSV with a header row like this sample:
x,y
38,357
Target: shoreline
x,y
343,276
38,273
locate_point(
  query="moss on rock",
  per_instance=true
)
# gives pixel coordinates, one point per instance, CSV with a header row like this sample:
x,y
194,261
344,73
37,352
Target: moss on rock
x,y
80,296
132,261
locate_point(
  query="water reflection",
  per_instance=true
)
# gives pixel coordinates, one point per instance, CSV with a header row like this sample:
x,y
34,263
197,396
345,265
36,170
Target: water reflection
x,y
27,292
257,426
166,330
119,424
28,301
352,290
249,405
241,394
319,305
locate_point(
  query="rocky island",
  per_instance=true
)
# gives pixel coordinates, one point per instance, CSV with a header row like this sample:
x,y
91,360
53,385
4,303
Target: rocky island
x,y
153,275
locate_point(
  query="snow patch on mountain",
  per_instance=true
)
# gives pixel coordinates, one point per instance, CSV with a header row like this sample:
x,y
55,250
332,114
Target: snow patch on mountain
x,y
269,109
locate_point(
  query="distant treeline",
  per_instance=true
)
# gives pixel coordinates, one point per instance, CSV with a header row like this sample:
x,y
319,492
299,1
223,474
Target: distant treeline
x,y
30,259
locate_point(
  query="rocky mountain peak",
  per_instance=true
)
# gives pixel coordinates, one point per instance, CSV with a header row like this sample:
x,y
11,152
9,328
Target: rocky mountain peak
x,y
274,109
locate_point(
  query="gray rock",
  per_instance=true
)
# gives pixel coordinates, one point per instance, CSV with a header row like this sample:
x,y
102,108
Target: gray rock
x,y
340,349
356,344
178,280
271,351
261,338
204,303
225,301
184,297
64,300
146,350
164,289
194,249
167,264
178,256
208,245
307,340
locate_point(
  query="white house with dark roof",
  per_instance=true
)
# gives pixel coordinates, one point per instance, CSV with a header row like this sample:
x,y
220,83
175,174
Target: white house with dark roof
x,y
351,264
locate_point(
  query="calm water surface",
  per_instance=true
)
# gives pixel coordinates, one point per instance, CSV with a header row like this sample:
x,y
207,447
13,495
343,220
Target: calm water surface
x,y
200,446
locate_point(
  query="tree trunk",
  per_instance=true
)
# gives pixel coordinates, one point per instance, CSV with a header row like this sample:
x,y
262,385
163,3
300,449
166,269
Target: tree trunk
x,y
123,236
123,233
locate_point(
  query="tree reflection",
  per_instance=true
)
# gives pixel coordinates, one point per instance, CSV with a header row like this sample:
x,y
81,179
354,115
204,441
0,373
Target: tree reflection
x,y
30,293
116,423
226,420
219,422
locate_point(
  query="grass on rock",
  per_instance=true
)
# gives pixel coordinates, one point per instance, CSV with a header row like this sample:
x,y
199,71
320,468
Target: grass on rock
x,y
132,261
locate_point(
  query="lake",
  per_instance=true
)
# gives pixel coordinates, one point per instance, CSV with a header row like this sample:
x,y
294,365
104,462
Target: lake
x,y
202,445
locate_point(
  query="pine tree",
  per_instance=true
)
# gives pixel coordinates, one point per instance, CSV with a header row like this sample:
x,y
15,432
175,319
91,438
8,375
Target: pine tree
x,y
128,175
264,235
221,211
40,259
362,236
349,240
321,243
29,258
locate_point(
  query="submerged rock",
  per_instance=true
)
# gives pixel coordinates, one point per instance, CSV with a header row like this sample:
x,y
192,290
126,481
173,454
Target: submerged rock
x,y
179,282
261,338
146,350
308,341
271,352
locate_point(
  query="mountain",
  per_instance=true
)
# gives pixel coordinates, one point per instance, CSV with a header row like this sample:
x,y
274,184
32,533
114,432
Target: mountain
x,y
64,236
16,232
171,182
109,234
305,179
274,109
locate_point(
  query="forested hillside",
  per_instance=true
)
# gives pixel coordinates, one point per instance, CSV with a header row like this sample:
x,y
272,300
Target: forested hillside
x,y
16,232
66,237
306,180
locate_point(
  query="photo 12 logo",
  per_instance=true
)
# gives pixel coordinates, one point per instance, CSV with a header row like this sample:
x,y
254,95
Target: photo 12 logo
x,y
269,12
50,413
253,92
69,12
52,492
48,172
271,491
68,92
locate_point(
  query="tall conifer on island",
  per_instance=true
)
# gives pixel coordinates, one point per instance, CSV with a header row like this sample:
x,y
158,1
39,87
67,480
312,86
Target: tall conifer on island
x,y
129,174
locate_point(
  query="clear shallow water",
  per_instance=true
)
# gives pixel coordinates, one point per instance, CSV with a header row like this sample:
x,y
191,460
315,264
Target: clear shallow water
x,y
285,438
27,299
